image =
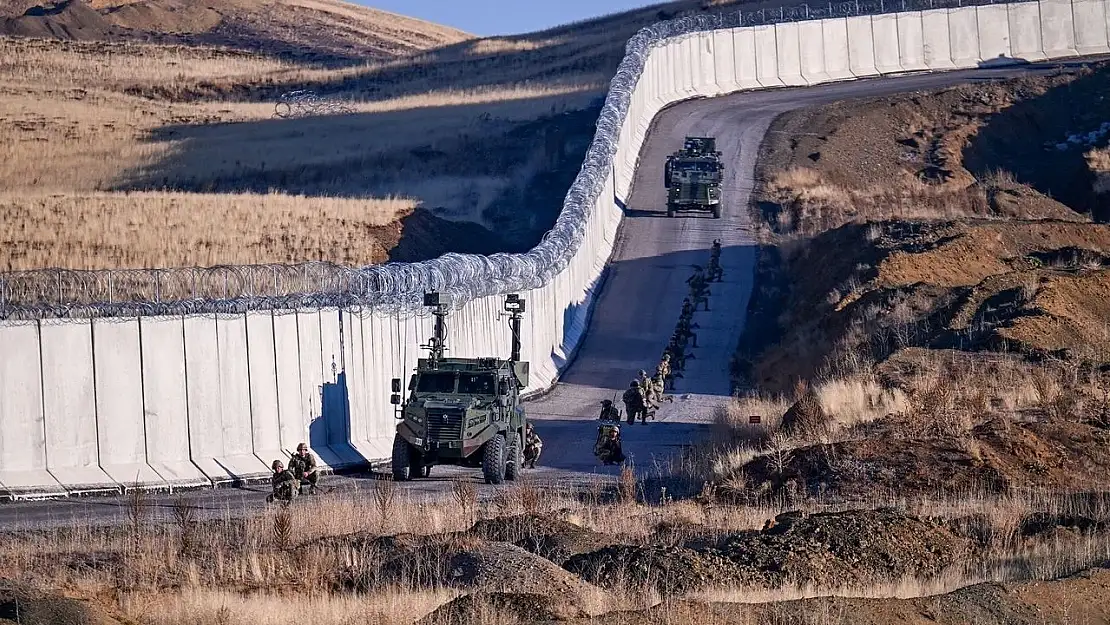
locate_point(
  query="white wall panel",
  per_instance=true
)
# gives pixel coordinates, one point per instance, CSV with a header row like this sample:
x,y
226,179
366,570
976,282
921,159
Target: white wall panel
x,y
911,42
811,41
335,399
1057,28
166,406
766,57
838,62
1090,26
963,33
938,44
69,405
312,428
1025,31
120,414
744,58
788,48
861,47
236,449
22,428
888,56
724,66
993,23
262,373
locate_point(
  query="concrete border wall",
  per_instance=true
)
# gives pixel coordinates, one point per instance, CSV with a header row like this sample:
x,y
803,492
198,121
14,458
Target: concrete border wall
x,y
173,402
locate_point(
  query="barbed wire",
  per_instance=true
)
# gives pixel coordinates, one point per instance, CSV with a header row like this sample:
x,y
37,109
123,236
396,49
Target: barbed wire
x,y
395,287
294,104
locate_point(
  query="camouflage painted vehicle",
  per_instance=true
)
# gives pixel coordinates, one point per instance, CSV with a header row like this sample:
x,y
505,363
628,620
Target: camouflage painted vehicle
x,y
692,176
462,411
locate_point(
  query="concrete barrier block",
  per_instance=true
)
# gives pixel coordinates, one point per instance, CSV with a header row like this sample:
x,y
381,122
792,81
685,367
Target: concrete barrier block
x,y
788,48
744,58
237,442
263,378
69,407
22,427
838,63
963,33
1025,31
335,392
724,68
369,427
812,50
911,42
313,429
287,359
938,43
888,53
120,411
766,57
861,47
203,378
1090,26
1057,28
165,402
993,24
707,55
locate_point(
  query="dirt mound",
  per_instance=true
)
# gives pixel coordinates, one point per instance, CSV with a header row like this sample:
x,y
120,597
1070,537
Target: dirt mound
x,y
553,539
26,606
672,571
855,548
520,607
323,30
68,19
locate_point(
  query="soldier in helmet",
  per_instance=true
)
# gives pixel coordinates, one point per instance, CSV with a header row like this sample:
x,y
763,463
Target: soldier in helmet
x,y
633,401
303,467
533,446
664,367
659,388
715,271
609,412
685,330
687,309
284,484
699,287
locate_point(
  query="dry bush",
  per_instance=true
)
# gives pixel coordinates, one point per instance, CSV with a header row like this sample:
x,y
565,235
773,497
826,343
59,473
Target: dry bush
x,y
1098,161
859,399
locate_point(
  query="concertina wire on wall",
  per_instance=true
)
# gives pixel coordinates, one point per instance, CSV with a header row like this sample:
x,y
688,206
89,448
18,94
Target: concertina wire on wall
x,y
396,288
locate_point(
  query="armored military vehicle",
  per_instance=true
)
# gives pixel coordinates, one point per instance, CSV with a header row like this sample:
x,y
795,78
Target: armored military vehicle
x,y
692,176
462,411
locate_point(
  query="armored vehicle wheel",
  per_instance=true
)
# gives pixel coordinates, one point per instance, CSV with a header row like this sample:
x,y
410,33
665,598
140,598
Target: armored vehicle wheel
x,y
716,211
514,460
402,459
493,460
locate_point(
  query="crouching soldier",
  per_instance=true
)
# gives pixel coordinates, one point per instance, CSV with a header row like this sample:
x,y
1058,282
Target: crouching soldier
x,y
609,451
303,467
609,412
533,446
284,484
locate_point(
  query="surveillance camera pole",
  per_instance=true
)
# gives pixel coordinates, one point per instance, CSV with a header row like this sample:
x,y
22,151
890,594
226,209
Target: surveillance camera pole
x,y
438,343
514,305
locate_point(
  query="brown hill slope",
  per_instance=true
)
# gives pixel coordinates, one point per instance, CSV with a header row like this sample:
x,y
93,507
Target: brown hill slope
x,y
325,30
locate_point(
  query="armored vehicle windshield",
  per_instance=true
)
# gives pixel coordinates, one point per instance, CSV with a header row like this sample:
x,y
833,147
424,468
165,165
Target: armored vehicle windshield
x,y
437,382
476,384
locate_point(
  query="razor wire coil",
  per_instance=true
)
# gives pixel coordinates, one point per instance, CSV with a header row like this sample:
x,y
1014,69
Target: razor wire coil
x,y
393,288
302,103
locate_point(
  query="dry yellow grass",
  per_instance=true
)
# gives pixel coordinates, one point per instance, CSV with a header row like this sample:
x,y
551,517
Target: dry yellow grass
x,y
1099,163
73,126
111,230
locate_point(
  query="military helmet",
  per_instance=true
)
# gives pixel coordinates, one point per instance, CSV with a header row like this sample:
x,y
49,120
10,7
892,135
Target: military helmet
x,y
666,355
606,402
277,465
633,384
642,372
302,447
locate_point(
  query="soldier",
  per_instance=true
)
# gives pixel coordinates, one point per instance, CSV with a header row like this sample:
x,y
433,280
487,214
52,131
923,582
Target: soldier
x,y
533,446
644,378
715,271
687,309
284,484
685,330
664,368
633,401
659,386
609,412
610,450
303,467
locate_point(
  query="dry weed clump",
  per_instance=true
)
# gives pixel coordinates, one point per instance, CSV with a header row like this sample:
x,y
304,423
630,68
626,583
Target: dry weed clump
x,y
1098,161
